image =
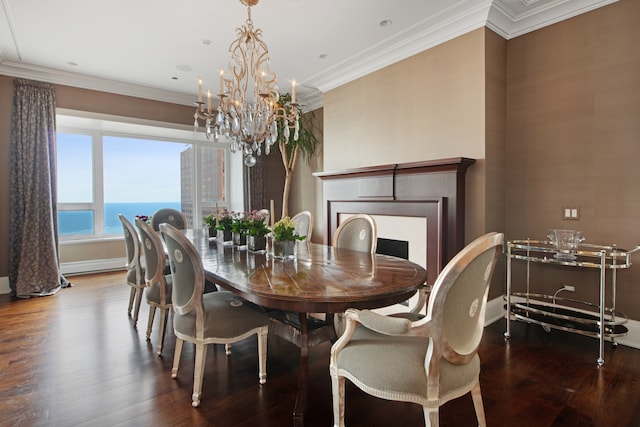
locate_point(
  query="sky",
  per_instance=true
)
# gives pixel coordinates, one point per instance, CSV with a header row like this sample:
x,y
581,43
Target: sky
x,y
135,170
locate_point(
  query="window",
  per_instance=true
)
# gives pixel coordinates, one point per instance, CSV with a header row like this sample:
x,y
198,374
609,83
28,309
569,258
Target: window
x,y
107,167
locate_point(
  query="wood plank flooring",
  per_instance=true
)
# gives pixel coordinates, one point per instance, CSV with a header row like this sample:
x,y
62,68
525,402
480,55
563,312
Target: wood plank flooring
x,y
74,359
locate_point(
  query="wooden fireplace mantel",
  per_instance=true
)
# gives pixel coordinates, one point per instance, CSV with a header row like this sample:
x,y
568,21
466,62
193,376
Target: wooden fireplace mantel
x,y
433,189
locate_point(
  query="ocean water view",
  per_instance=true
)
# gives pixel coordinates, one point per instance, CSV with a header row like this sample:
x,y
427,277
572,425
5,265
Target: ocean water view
x,y
81,222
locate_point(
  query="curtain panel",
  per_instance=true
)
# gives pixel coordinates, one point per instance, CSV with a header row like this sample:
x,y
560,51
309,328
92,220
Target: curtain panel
x,y
33,236
254,192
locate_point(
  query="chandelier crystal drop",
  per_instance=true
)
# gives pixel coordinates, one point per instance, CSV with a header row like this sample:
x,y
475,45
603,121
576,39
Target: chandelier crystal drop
x,y
248,108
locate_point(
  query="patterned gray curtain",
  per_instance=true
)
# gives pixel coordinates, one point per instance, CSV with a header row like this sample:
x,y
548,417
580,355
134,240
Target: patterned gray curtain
x,y
33,234
254,198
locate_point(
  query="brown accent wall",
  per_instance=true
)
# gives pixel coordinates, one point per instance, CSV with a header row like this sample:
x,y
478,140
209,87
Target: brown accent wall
x,y
573,96
495,146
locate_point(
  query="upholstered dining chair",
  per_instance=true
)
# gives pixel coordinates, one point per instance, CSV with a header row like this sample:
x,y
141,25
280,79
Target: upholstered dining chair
x,y
304,224
169,216
357,232
135,269
429,361
158,292
202,319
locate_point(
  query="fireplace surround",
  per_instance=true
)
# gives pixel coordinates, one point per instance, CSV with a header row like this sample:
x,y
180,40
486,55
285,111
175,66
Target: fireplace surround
x,y
433,190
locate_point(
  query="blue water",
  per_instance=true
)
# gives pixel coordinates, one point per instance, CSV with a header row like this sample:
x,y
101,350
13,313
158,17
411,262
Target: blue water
x,y
81,222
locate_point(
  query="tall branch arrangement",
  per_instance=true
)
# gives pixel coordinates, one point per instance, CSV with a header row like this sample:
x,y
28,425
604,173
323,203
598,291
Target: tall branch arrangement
x,y
291,149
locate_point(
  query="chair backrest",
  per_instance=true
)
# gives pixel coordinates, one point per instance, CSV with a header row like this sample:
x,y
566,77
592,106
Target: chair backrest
x,y
187,273
304,224
153,253
458,301
168,216
131,243
358,232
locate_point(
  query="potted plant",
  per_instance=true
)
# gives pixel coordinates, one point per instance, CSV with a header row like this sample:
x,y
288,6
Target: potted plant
x,y
220,224
257,231
239,227
284,238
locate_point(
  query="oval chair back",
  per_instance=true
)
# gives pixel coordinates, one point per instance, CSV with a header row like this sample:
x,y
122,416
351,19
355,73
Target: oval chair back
x,y
168,216
304,224
358,232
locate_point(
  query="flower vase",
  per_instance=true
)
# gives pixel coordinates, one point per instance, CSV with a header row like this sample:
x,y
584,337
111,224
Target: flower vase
x,y
257,243
239,239
224,237
284,249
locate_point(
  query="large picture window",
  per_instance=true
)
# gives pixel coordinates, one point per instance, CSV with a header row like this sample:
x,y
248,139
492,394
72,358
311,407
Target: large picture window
x,y
106,168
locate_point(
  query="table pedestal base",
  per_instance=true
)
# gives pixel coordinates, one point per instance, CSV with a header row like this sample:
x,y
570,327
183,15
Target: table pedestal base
x,y
305,332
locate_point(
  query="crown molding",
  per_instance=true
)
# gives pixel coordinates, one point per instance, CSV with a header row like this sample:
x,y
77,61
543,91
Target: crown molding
x,y
454,22
460,18
48,75
509,26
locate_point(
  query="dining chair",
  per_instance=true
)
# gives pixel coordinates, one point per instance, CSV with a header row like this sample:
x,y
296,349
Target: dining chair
x,y
202,319
429,361
357,232
135,269
304,224
169,216
158,292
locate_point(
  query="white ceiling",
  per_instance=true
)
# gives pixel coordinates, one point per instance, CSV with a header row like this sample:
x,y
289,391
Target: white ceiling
x,y
154,48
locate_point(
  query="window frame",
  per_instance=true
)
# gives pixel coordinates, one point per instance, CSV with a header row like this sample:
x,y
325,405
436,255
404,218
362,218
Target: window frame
x,y
97,126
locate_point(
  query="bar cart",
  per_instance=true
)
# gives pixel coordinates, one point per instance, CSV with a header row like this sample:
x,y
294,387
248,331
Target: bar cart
x,y
552,312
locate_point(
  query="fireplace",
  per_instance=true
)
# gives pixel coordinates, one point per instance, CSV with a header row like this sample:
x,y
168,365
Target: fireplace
x,y
421,200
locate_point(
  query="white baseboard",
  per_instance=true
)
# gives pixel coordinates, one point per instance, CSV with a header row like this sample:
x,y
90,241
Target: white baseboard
x,y
496,312
80,267
93,266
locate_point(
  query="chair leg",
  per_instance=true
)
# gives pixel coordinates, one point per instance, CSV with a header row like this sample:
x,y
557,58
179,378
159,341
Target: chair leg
x,y
337,391
198,374
164,314
227,349
139,292
477,404
152,313
262,355
132,297
431,417
176,357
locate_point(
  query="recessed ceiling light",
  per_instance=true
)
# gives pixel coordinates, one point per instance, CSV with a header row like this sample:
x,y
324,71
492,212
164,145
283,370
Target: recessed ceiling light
x,y
385,22
174,78
323,56
183,67
207,42
73,64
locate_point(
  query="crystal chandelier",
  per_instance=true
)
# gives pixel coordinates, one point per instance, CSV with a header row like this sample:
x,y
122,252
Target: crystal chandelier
x,y
248,109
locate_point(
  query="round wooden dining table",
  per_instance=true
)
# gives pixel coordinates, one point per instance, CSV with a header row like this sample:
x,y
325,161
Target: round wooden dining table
x,y
319,279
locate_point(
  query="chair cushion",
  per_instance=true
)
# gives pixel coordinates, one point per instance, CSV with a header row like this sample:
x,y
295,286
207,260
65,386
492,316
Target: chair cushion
x,y
153,292
390,365
225,316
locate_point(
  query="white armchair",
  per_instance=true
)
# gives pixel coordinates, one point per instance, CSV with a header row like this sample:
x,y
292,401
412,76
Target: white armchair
x,y
429,361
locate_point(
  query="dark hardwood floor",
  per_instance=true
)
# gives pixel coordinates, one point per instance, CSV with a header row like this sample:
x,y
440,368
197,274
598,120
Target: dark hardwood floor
x,y
75,359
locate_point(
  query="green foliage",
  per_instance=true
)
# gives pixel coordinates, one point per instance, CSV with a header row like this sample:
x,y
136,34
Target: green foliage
x,y
256,224
222,220
307,142
285,229
239,223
